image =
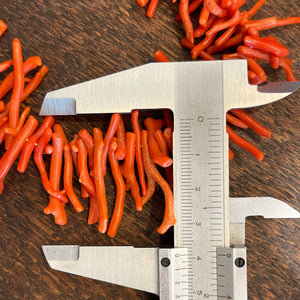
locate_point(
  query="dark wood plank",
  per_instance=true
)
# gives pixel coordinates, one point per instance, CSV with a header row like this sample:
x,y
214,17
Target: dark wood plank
x,y
82,40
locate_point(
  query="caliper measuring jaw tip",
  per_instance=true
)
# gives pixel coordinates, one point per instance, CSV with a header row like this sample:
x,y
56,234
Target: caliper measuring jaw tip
x,y
209,255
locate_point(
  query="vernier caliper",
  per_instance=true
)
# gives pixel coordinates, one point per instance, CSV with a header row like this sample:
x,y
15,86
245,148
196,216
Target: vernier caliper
x,y
208,260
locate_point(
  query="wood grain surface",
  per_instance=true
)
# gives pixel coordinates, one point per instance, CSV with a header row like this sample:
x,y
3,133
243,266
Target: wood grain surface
x,y
82,40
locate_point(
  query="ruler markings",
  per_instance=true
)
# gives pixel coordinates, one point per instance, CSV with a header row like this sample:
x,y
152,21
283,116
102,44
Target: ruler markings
x,y
189,197
188,233
185,218
186,119
187,141
186,261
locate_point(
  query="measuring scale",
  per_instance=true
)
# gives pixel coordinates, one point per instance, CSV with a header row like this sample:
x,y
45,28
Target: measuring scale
x,y
208,260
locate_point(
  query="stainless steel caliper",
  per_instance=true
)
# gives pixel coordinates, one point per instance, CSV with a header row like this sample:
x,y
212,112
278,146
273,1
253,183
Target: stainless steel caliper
x,y
208,260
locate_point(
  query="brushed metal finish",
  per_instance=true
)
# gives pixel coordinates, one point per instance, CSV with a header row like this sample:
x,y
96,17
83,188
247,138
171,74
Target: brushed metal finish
x,y
268,207
136,268
232,273
157,85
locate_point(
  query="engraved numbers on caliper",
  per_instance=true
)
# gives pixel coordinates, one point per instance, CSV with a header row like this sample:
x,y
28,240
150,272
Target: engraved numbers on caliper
x,y
200,173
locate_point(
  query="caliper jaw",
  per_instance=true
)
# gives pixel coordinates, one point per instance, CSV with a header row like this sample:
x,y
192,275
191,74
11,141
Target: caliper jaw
x,y
241,208
159,271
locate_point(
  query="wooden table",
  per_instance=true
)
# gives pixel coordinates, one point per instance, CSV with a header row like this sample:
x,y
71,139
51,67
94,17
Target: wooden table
x,y
82,40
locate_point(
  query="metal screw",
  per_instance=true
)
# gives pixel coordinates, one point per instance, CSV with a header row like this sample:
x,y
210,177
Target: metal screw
x,y
239,262
165,262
